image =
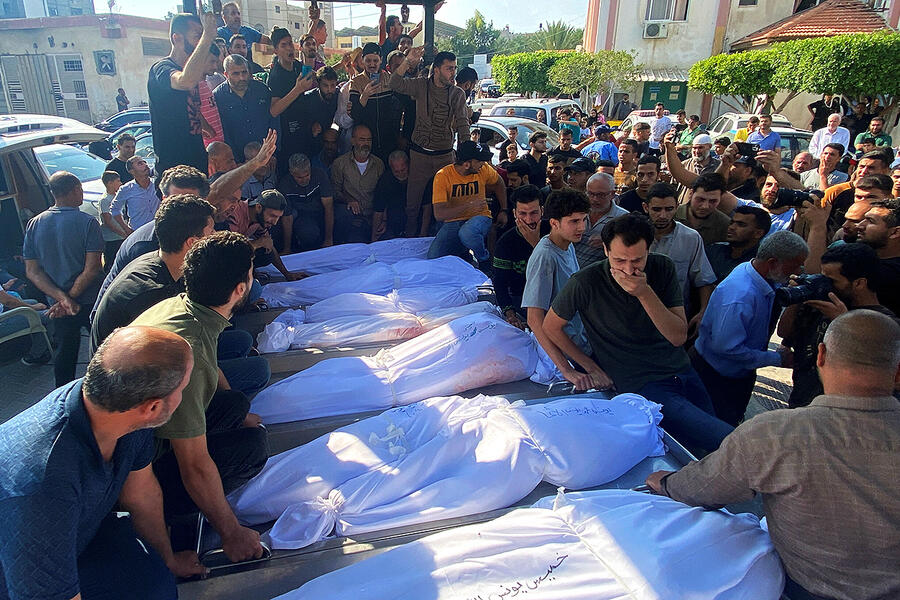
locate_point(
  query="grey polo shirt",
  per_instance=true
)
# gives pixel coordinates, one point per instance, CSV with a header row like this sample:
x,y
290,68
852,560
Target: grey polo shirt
x,y
588,254
685,247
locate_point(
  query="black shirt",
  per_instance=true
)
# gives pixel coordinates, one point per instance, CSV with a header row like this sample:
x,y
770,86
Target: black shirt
x,y
119,167
821,111
570,154
143,283
839,206
315,109
538,174
511,256
390,198
177,137
719,255
747,190
888,285
630,201
281,82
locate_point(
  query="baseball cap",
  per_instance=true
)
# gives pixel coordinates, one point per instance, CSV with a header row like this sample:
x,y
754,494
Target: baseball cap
x,y
582,165
702,139
270,199
371,48
602,129
746,160
469,150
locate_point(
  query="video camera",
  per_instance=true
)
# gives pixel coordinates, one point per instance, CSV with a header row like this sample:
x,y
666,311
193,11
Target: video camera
x,y
809,287
794,198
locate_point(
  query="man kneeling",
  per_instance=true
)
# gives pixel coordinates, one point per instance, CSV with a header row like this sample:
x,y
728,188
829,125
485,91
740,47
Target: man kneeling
x,y
69,459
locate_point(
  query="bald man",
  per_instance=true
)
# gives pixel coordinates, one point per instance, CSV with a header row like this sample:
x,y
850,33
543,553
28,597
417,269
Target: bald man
x,y
81,453
827,472
221,158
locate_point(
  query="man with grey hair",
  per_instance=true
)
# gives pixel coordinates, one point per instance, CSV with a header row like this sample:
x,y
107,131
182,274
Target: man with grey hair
x,y
244,105
308,222
735,329
82,453
389,205
827,473
601,193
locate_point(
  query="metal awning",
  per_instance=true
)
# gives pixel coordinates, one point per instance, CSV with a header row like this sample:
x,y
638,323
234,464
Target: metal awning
x,y
663,75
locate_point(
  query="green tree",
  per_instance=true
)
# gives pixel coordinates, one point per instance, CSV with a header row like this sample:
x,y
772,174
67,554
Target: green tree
x,y
526,72
479,37
589,73
557,35
745,76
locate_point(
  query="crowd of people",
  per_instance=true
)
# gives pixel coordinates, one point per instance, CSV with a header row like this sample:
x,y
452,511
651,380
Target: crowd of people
x,y
658,262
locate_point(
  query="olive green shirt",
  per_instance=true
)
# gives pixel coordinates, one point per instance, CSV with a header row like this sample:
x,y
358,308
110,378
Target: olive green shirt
x,y
200,326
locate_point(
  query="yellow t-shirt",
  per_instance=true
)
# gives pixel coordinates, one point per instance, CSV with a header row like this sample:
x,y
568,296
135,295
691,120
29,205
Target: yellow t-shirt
x,y
741,135
456,189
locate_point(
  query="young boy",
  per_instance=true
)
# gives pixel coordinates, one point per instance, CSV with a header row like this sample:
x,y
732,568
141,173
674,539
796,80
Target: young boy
x,y
112,232
551,264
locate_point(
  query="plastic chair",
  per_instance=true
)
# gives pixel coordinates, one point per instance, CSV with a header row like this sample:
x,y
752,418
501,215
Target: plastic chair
x,y
34,324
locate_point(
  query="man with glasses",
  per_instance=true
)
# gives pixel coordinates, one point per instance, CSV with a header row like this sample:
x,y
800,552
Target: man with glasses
x,y
601,191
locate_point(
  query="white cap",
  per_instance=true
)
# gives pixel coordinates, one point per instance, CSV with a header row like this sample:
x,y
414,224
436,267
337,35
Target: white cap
x,y
703,138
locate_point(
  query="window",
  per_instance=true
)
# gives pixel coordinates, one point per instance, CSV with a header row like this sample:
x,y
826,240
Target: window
x,y
667,10
748,2
83,105
155,46
296,25
72,66
278,9
346,45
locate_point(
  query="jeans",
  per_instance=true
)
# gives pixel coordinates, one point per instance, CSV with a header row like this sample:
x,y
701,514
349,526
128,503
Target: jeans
x,y
67,335
246,374
688,413
455,236
117,566
255,292
238,452
14,324
730,395
350,228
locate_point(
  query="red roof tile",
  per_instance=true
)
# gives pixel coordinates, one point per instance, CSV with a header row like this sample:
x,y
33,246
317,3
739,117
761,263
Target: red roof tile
x,y
831,17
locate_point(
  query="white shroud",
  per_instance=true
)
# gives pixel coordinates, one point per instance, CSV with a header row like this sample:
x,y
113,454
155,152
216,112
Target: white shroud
x,y
346,256
444,457
376,278
600,545
467,353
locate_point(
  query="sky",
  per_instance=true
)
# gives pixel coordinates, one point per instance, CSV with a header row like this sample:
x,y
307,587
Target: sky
x,y
520,16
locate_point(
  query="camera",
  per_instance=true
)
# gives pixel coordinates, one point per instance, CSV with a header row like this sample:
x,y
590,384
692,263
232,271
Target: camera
x,y
745,149
794,198
679,127
809,287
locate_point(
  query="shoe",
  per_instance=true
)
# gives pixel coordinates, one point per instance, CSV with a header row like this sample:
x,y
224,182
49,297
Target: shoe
x,y
43,359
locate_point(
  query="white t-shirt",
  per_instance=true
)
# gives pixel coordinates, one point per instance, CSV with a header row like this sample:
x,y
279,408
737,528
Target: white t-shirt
x,y
361,166
658,129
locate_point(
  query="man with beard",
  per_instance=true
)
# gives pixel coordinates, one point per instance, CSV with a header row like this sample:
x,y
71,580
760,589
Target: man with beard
x,y
518,173
174,97
317,107
82,453
647,175
137,198
309,54
374,104
803,162
238,45
749,225
126,146
330,150
441,118
735,330
459,202
244,106
826,175
833,133
701,213
288,83
683,245
556,165
308,223
513,250
853,270
536,158
212,444
354,176
389,206
741,178
255,221
701,161
263,178
565,148
880,229
783,217
601,193
641,134
231,16
876,130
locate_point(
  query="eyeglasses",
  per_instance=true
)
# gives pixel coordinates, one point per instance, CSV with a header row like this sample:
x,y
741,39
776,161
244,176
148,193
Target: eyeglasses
x,y
601,194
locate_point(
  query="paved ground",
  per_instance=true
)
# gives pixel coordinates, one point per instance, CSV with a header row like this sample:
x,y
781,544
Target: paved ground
x,y
24,385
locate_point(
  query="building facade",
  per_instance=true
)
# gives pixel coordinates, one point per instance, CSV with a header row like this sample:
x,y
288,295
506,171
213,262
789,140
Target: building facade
x,y
264,15
22,9
82,59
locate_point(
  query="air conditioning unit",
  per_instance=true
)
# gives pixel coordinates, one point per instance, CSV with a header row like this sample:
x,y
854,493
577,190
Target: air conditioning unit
x,y
655,31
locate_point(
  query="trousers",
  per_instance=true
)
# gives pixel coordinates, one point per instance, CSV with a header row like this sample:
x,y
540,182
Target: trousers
x,y
246,374
730,395
422,167
455,237
67,338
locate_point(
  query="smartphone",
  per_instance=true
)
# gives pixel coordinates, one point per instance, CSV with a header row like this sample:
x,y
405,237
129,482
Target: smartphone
x,y
746,149
217,7
375,77
305,70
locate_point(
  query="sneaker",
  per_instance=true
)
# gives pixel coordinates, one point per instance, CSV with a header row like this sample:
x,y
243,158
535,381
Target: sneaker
x,y
43,359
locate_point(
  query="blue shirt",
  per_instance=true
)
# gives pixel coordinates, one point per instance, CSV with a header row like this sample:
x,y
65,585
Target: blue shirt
x,y
59,239
55,489
734,332
244,119
766,142
250,35
601,150
140,203
139,243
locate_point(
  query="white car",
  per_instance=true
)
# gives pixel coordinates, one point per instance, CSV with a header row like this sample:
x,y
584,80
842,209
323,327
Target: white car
x,y
493,133
34,147
729,123
530,109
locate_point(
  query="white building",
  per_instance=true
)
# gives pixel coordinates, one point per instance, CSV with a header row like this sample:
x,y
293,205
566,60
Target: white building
x,y
263,15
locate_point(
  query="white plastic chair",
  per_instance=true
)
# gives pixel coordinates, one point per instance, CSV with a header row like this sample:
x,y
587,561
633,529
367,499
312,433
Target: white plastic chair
x,y
34,324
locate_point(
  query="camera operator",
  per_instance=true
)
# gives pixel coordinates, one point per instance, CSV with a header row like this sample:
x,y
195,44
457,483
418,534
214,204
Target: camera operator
x,y
848,281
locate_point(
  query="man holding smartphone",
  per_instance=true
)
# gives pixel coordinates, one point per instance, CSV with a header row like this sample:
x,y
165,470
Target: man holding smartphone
x,y
288,83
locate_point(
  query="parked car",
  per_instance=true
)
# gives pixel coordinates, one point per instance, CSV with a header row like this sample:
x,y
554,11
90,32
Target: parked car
x,y
493,133
111,124
634,117
528,109
728,123
32,148
793,142
144,147
137,128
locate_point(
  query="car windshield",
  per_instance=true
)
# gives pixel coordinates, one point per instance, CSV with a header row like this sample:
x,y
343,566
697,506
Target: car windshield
x,y
57,157
144,146
527,128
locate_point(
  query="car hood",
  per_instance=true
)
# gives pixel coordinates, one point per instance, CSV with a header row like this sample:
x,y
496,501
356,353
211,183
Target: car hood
x,y
63,134
93,192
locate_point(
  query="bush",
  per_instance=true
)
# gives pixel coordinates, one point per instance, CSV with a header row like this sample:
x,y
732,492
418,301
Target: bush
x,y
526,72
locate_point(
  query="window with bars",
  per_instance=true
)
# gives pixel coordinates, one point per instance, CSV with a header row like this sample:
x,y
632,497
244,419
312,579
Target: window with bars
x,y
72,66
666,10
748,2
83,105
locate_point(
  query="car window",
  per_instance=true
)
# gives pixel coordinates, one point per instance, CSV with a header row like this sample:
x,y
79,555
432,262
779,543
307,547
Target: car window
x,y
526,129
85,166
144,147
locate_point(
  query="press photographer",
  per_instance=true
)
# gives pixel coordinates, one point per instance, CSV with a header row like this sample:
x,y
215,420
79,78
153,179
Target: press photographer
x,y
848,280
